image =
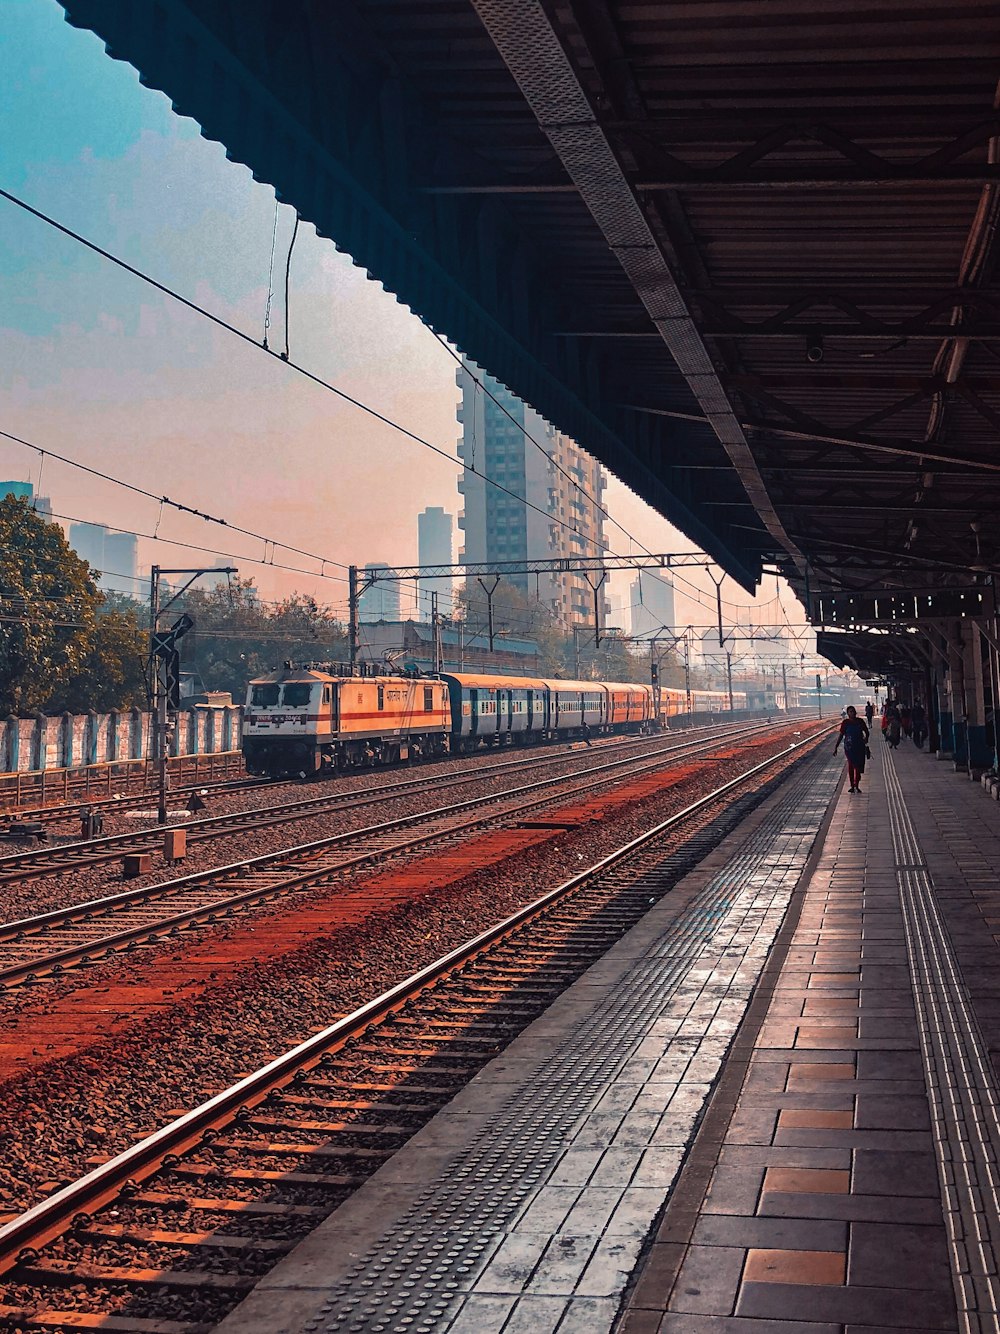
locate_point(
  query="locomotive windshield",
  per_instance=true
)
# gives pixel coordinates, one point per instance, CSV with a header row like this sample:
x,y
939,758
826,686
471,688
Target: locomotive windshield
x,y
296,695
265,697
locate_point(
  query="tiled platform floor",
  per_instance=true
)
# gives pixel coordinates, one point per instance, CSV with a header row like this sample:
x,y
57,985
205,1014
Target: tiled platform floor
x,y
844,1178
854,1188
525,1204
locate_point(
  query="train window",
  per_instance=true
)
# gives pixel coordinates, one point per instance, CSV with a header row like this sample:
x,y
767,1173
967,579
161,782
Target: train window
x,y
428,699
296,695
265,697
381,697
327,694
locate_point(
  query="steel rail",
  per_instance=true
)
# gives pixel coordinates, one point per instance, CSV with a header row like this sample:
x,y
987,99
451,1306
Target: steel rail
x,y
126,801
18,867
85,852
89,951
21,1238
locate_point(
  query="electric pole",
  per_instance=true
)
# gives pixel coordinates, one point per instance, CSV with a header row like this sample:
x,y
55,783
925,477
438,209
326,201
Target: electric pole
x,y
352,617
164,669
436,633
159,699
654,679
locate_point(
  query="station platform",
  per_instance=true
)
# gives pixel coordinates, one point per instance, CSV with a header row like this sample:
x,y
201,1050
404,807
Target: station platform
x,y
772,1107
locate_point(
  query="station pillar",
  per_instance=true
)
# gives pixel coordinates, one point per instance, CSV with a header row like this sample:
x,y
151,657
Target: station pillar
x,y
979,756
946,693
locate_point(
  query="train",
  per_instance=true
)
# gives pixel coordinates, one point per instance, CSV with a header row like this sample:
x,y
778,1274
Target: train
x,y
317,717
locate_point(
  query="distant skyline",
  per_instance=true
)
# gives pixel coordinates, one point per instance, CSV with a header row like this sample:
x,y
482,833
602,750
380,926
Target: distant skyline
x,y
102,368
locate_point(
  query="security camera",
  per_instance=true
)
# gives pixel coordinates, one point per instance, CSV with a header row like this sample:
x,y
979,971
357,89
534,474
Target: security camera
x,y
814,348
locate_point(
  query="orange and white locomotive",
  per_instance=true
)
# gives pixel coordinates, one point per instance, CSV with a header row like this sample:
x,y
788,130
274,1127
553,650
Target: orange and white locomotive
x,y
304,719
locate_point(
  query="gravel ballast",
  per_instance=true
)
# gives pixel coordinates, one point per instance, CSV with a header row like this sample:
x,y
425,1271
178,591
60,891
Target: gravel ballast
x,y
223,1022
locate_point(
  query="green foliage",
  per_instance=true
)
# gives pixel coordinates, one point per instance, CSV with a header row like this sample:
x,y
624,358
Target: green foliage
x,y
66,646
57,651
237,637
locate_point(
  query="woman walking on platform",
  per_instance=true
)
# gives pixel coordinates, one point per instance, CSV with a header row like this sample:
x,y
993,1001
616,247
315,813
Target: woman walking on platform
x,y
854,734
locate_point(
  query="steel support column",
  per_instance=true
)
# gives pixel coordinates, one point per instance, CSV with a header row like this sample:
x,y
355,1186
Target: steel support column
x,y
957,697
979,757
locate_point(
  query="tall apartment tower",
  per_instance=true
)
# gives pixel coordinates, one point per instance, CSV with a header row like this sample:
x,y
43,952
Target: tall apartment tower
x,y
20,490
113,557
121,562
651,604
561,483
87,540
380,602
433,548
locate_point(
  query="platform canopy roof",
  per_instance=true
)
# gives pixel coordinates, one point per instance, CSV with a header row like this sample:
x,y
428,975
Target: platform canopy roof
x,y
744,251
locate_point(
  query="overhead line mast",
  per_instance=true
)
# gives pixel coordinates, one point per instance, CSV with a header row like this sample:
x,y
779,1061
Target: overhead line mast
x,y
595,568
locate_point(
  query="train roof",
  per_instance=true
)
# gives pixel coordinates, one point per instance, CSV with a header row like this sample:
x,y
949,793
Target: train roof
x,y
489,681
282,674
317,674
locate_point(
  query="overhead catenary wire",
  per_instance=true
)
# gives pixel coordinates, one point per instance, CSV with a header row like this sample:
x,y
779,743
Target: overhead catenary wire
x,y
209,551
288,272
143,581
162,501
318,380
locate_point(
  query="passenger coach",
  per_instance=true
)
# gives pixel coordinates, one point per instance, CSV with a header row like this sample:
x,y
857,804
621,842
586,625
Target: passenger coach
x,y
491,710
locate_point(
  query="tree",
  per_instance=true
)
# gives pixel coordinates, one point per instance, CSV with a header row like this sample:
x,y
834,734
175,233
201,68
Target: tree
x,y
237,637
56,650
112,671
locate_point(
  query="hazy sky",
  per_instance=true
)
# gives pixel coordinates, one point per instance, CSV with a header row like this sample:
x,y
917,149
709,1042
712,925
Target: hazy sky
x,y
98,366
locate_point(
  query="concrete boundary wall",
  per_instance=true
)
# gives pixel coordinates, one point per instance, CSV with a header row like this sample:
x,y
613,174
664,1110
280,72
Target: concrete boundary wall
x,y
72,741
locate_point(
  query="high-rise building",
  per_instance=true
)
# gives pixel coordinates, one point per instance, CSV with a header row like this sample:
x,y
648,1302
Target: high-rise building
x,y
121,560
652,604
22,490
112,556
433,548
42,505
87,540
510,444
380,601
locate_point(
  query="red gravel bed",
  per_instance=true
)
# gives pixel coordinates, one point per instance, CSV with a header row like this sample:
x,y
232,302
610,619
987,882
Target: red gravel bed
x,y
107,1059
81,885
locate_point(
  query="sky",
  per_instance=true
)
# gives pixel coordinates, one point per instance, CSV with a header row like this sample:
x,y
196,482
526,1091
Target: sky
x,y
103,369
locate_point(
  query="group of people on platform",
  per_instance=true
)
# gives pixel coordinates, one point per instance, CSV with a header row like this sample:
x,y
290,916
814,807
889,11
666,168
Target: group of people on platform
x,y
898,720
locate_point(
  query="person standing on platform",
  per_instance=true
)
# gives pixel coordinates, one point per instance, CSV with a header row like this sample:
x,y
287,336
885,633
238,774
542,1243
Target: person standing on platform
x,y
919,724
892,728
869,714
854,734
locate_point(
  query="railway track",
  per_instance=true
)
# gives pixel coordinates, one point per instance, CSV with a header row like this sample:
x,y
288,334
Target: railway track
x,y
205,1205
130,801
85,933
60,858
